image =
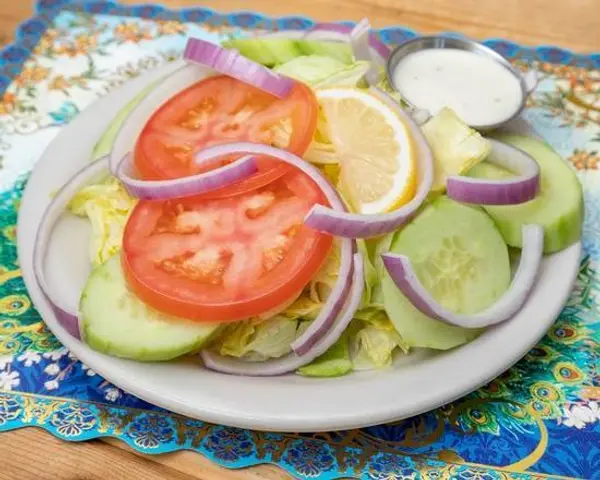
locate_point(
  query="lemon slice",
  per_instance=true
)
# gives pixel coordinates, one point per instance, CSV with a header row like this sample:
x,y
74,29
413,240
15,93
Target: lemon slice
x,y
375,149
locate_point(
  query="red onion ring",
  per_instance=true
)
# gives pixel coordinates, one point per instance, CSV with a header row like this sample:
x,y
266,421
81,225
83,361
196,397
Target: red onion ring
x,y
248,148
335,302
184,186
359,41
403,275
292,361
71,323
344,224
337,32
509,191
67,315
231,63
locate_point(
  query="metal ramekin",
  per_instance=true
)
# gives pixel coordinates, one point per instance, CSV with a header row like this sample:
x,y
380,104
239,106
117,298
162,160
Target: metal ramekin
x,y
527,82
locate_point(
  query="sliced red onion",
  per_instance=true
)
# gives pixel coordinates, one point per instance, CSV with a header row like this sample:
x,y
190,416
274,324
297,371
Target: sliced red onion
x,y
507,191
344,224
184,186
65,312
231,63
335,301
401,271
249,148
292,361
359,41
70,322
336,32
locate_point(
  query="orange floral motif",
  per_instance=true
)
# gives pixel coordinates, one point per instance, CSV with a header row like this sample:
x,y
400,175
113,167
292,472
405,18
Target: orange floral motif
x,y
31,75
79,81
82,45
223,29
62,83
583,160
46,42
170,27
7,104
575,97
131,32
58,83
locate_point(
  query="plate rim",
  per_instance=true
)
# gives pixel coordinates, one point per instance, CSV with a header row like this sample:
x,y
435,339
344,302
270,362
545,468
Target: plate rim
x,y
247,419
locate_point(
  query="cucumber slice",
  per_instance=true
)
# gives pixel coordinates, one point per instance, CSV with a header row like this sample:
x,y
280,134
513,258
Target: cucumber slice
x,y
267,51
278,50
460,257
558,207
115,322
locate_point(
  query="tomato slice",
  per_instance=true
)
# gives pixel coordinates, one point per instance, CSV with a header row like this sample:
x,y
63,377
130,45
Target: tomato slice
x,y
226,259
221,110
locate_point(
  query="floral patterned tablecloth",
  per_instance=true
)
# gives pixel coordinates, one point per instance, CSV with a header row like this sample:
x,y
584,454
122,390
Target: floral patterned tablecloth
x,y
539,419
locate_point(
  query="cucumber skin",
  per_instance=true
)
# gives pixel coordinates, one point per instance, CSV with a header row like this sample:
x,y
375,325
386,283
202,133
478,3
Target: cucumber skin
x,y
562,231
105,273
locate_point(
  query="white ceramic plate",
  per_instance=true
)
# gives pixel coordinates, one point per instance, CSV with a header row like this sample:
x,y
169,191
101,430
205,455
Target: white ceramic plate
x,y
417,383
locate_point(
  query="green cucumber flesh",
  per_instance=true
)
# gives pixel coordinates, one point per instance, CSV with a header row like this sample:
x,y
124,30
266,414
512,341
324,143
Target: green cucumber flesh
x,y
117,323
461,259
278,50
558,206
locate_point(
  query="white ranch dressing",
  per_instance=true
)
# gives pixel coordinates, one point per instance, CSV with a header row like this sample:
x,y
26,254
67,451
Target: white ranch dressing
x,y
480,90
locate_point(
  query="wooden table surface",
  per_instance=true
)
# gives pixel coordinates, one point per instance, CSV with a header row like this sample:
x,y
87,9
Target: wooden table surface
x,y
575,24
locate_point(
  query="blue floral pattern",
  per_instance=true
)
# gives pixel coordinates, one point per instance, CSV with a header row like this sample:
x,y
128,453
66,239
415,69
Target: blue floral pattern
x,y
540,418
229,444
309,457
150,431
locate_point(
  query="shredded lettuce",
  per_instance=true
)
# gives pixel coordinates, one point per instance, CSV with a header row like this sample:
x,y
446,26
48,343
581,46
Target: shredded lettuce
x,y
311,68
107,205
456,147
304,307
371,278
254,341
374,344
385,86
323,282
350,76
320,71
